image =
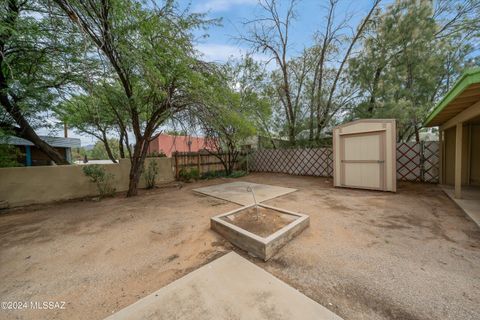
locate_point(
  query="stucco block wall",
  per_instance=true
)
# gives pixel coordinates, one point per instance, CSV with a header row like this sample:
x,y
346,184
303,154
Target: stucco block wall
x,y
29,185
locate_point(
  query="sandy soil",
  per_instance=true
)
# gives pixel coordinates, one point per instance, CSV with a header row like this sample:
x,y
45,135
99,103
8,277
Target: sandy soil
x,y
366,255
262,223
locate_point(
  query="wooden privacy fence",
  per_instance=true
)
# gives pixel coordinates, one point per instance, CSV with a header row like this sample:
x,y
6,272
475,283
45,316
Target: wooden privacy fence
x,y
203,161
415,161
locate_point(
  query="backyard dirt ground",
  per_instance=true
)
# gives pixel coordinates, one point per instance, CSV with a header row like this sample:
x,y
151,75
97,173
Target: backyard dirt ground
x,y
260,221
366,255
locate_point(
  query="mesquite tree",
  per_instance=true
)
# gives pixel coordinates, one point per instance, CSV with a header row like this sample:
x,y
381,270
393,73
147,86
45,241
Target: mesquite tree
x,y
233,109
39,61
150,52
412,53
92,114
270,34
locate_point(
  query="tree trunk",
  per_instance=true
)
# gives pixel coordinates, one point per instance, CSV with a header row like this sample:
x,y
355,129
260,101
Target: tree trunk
x,y
139,153
120,145
26,131
107,147
345,58
372,101
291,134
229,164
319,97
417,133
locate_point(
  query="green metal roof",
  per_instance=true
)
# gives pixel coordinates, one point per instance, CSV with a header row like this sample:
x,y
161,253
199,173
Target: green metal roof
x,y
470,77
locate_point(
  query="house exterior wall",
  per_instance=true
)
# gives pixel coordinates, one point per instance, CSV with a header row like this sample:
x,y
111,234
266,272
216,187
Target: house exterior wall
x,y
28,185
169,144
470,168
38,158
475,155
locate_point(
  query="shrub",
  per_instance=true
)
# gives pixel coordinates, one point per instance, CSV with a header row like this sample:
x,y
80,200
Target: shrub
x,y
101,178
221,173
9,155
151,174
213,174
156,154
187,175
237,174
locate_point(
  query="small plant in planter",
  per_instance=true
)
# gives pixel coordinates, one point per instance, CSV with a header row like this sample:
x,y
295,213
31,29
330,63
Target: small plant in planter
x,y
103,179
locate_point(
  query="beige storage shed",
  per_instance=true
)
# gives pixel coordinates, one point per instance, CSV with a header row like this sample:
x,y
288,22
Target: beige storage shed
x,y
364,153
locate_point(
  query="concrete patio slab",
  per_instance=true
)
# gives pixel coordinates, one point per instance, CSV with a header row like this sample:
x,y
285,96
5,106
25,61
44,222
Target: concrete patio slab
x,y
470,202
230,287
237,192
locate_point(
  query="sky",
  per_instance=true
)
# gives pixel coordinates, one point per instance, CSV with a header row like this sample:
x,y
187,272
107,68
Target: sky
x,y
222,41
222,44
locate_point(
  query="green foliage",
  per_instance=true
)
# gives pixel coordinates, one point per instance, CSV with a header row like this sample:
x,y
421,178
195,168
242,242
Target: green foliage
x,y
232,109
213,174
156,154
92,113
176,132
148,53
151,174
406,65
222,174
8,156
8,153
103,179
41,57
100,153
188,175
237,174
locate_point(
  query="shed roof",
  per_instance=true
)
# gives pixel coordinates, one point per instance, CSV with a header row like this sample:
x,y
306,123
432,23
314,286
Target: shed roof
x,y
58,142
463,95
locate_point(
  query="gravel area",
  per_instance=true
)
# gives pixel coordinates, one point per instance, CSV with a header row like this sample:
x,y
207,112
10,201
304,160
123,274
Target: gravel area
x,y
366,255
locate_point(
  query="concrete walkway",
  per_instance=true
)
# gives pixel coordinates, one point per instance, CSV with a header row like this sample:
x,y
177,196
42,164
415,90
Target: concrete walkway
x,y
230,287
470,202
237,192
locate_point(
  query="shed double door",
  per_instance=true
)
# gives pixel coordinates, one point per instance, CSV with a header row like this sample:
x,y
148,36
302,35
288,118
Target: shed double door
x,y
362,160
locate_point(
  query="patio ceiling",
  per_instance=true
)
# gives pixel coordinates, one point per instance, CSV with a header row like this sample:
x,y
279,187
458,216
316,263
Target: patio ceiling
x,y
464,94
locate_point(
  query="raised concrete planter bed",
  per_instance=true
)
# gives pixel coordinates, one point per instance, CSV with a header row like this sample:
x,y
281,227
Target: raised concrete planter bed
x,y
260,233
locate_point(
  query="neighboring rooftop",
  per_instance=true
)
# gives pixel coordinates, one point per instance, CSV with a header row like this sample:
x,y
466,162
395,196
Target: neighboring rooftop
x,y
58,142
464,94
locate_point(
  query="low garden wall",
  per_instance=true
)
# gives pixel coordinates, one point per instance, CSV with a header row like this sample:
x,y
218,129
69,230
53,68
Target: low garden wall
x,y
28,185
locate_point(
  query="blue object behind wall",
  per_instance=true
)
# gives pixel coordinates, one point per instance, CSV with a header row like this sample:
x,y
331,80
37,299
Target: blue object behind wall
x,y
28,156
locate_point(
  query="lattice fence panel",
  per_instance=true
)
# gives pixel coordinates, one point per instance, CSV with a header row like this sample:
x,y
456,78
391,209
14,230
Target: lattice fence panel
x,y
431,161
415,161
305,162
408,161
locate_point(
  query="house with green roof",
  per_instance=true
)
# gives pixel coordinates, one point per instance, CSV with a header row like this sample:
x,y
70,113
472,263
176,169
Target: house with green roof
x,y
457,116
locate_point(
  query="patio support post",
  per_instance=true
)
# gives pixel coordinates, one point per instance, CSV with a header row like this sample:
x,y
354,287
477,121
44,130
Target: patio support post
x,y
440,156
458,160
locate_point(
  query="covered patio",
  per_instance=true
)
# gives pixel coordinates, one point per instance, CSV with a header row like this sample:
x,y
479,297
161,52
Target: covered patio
x,y
458,118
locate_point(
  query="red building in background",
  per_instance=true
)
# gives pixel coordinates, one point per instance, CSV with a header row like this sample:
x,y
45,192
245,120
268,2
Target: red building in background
x,y
169,144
